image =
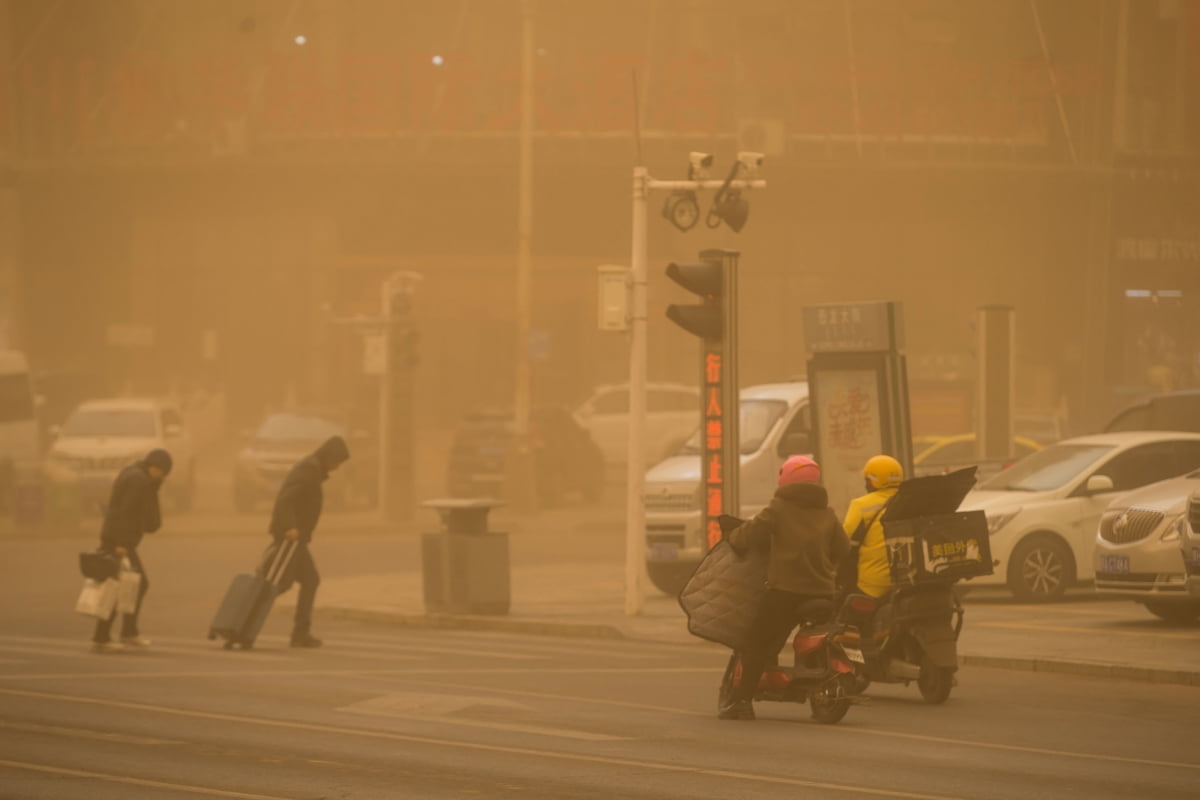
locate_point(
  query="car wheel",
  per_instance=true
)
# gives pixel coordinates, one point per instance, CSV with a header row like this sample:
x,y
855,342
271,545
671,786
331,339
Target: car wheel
x,y
671,576
1040,569
1179,613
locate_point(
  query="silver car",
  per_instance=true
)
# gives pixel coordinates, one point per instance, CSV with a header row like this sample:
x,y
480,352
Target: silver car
x,y
1190,545
1138,548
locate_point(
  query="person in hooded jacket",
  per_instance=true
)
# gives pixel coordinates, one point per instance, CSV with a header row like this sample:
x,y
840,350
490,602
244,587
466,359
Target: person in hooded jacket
x,y
132,512
295,516
805,544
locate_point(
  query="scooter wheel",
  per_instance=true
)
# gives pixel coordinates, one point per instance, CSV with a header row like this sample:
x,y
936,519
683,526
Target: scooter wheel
x,y
828,710
935,682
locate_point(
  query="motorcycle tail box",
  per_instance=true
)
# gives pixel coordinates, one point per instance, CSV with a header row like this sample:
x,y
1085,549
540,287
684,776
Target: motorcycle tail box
x,y
928,539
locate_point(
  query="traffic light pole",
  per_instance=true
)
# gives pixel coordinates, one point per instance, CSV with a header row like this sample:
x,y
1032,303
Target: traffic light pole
x,y
635,483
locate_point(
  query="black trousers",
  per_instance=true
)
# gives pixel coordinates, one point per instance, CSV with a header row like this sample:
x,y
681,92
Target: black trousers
x,y
305,571
768,634
129,626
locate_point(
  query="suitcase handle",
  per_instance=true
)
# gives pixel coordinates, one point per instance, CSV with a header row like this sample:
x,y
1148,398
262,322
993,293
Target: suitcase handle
x,y
282,559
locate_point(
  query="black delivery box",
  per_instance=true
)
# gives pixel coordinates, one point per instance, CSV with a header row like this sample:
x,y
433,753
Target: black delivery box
x,y
928,539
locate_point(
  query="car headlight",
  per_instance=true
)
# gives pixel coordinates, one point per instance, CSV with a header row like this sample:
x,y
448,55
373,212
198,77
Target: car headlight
x,y
1176,529
997,521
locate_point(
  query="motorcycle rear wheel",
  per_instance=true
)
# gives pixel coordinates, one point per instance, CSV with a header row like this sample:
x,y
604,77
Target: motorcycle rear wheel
x,y
935,682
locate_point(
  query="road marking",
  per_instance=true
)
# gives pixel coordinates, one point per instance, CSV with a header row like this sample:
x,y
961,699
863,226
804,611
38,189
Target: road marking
x,y
80,651
1033,626
438,708
834,731
100,776
83,733
511,645
352,673
532,752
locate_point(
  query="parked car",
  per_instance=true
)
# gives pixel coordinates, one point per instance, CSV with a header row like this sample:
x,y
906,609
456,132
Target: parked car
x,y
672,413
936,455
19,438
1168,411
774,423
565,459
1044,510
1190,545
282,439
1138,548
101,437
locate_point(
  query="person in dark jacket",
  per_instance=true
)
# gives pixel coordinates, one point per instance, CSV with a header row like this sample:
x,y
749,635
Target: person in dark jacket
x,y
295,516
806,544
131,513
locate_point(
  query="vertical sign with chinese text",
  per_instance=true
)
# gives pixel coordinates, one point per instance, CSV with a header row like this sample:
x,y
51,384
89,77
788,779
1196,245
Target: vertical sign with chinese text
x,y
719,409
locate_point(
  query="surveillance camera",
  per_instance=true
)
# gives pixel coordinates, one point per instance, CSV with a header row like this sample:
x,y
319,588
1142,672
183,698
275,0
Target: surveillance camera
x,y
698,164
750,160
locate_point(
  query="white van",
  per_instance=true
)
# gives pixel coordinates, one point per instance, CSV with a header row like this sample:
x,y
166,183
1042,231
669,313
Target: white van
x,y
775,423
19,438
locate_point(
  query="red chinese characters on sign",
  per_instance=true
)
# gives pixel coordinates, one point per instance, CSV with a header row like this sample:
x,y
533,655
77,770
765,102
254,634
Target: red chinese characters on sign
x,y
850,419
713,439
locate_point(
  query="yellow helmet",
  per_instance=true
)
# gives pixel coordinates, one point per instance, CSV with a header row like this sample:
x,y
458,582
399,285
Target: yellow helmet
x,y
883,472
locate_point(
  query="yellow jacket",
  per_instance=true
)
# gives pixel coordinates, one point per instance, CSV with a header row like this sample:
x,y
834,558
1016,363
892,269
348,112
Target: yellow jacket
x,y
874,576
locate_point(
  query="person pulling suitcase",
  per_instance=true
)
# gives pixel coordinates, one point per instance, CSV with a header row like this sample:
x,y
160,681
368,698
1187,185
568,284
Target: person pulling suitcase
x,y
294,518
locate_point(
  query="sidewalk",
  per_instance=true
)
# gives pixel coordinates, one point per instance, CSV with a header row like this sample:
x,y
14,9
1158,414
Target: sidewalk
x,y
1102,638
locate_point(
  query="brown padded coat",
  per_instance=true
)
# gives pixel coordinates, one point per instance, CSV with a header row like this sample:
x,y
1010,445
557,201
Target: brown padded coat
x,y
803,536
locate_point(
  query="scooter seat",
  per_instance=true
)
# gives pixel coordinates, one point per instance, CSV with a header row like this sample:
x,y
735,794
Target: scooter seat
x,y
816,611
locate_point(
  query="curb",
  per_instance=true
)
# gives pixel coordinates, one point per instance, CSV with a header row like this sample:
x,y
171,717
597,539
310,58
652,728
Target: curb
x,y
588,630
1085,668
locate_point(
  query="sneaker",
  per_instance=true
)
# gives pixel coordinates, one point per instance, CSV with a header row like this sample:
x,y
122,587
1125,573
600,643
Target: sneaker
x,y
107,647
135,641
305,640
738,709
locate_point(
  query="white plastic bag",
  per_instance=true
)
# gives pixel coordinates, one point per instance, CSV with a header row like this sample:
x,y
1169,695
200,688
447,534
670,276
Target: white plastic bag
x,y
130,582
98,598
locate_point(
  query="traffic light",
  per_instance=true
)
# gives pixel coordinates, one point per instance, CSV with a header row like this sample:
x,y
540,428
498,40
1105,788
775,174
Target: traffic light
x,y
714,320
706,279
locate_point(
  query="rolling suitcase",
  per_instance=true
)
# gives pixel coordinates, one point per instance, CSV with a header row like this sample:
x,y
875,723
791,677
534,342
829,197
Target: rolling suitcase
x,y
249,599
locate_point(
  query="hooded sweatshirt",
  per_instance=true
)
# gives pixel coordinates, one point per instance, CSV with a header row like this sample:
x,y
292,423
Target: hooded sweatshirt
x,y
132,507
298,504
803,536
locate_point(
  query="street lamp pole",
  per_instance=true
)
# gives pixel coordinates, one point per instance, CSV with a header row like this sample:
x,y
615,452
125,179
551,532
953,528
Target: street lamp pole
x,y
521,472
635,481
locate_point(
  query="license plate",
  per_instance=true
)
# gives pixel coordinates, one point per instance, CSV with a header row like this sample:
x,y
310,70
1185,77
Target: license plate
x,y
665,551
855,655
1114,565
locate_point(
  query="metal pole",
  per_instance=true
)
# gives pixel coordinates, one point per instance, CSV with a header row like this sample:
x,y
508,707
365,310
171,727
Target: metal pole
x,y
385,394
521,480
635,511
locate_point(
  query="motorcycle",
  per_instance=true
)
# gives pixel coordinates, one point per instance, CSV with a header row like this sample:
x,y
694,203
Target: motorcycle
x,y
911,635
826,672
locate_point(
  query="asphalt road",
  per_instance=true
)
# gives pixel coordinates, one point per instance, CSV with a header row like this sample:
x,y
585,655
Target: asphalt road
x,y
385,713
402,713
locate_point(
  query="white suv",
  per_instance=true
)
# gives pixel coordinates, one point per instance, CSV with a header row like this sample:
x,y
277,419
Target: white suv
x,y
101,437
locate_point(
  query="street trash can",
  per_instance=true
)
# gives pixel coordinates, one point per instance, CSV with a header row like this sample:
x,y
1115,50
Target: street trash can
x,y
464,567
